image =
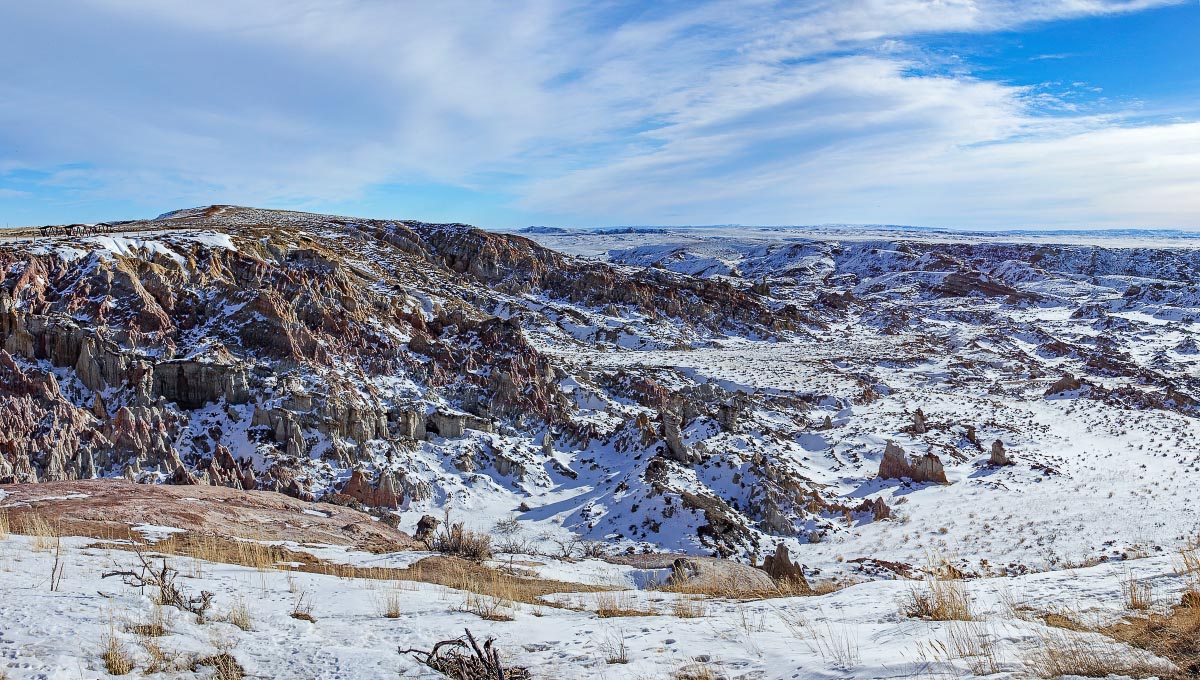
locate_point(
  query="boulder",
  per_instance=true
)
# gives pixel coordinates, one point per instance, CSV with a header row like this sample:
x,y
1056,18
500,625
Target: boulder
x,y
426,526
895,463
878,508
928,468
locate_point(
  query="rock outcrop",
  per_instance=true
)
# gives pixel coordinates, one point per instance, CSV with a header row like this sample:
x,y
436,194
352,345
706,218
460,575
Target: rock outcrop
x,y
999,457
896,465
780,567
1067,383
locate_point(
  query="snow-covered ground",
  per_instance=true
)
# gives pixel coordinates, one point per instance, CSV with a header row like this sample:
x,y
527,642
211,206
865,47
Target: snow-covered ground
x,y
857,632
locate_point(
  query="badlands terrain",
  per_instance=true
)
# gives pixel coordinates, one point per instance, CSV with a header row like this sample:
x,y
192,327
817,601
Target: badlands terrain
x,y
979,449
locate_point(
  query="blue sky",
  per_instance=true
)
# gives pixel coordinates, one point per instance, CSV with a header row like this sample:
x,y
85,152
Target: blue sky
x,y
947,113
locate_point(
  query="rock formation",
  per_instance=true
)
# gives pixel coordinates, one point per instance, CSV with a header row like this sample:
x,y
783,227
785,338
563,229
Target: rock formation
x,y
918,424
999,457
896,465
781,568
1067,383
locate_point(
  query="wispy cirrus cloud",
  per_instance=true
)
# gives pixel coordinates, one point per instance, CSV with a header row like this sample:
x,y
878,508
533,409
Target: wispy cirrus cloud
x,y
754,111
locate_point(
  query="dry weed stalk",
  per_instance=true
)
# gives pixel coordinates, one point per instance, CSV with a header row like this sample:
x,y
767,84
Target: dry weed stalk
x,y
689,607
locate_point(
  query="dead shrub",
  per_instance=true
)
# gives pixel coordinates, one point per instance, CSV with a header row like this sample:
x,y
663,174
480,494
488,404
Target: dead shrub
x,y
162,580
455,539
464,659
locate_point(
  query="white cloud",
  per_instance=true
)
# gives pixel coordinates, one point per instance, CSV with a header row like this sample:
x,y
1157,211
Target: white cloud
x,y
749,110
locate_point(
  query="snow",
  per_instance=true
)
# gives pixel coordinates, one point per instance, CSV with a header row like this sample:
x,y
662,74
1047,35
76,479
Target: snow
x,y
153,532
58,633
211,239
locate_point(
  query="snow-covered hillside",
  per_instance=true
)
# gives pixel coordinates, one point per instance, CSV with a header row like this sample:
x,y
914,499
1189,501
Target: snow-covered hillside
x,y
710,391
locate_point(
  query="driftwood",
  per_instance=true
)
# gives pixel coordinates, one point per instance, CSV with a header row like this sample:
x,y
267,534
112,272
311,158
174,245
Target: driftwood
x,y
163,580
463,659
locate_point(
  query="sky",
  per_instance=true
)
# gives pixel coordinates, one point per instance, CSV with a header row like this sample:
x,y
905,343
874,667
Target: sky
x,y
944,113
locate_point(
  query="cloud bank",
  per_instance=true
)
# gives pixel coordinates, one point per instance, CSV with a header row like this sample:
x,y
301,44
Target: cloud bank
x,y
745,111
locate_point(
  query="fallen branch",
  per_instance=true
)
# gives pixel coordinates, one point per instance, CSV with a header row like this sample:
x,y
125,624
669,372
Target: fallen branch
x,y
448,657
163,580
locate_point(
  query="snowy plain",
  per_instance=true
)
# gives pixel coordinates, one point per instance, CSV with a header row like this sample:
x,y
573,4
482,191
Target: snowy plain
x,y
856,632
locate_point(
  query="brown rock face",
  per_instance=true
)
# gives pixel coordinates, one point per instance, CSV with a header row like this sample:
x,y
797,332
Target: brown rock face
x,y
380,495
878,508
107,508
928,468
896,465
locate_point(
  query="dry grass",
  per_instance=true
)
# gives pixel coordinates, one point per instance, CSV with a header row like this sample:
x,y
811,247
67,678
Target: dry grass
x,y
698,670
45,534
489,607
447,571
163,659
239,615
689,607
302,607
611,604
114,654
248,553
974,643
5,529
613,647
1174,636
157,624
1187,563
836,644
389,605
937,599
1063,653
1137,595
